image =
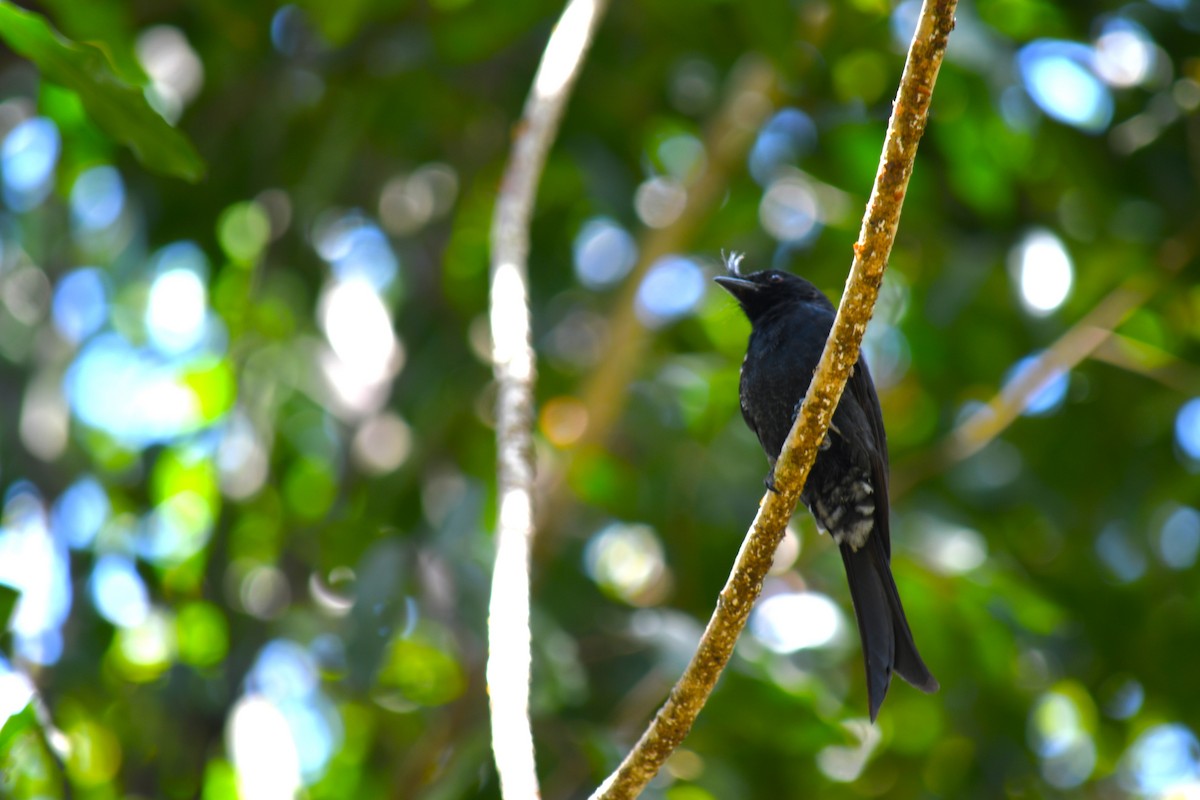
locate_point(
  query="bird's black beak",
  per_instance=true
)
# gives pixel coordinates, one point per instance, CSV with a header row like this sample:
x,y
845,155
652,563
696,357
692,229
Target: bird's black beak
x,y
737,286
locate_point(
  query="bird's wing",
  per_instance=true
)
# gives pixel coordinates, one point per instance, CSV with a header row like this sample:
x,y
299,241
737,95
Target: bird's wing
x,y
863,391
752,424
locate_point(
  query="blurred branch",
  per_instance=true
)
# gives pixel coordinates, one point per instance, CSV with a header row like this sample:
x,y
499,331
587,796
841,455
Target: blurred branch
x,y
1092,336
509,657
871,251
746,107
749,99
1071,348
1150,362
1077,344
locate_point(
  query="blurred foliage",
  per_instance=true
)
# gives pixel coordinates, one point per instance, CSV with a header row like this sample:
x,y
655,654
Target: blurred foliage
x,y
248,469
107,100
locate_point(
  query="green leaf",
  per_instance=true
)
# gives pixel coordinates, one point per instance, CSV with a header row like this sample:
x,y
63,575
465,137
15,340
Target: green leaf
x,y
114,104
14,727
8,601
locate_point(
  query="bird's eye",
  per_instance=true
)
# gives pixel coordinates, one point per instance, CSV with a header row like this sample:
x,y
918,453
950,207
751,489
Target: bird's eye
x,y
775,278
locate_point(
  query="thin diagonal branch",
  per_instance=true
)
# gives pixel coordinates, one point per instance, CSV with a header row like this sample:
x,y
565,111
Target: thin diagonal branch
x,y
1078,343
909,116
1093,336
509,639
1150,362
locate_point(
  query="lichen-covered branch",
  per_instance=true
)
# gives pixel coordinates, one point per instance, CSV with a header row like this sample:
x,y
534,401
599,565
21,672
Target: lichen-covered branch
x,y
907,124
509,657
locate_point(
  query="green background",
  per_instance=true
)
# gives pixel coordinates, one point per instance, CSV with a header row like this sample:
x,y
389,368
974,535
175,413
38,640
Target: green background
x,y
324,569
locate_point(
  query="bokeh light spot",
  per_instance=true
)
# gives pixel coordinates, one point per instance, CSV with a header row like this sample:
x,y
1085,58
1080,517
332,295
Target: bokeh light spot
x,y
37,566
1125,54
421,672
80,304
789,211
1044,399
79,512
604,253
310,488
949,548
356,249
786,138
408,203
627,561
263,751
1058,731
659,201
672,288
563,420
241,458
176,310
129,393
382,443
1042,270
118,591
1117,551
176,71
1162,759
178,528
97,198
682,155
145,651
1125,699
1059,77
243,230
203,634
94,755
845,763
789,621
27,159
359,329
264,592
1187,429
1179,538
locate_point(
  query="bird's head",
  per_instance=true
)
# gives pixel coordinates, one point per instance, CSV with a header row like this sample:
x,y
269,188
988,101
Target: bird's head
x,y
761,293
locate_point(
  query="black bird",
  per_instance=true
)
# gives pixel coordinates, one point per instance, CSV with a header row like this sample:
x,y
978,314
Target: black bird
x,y
847,489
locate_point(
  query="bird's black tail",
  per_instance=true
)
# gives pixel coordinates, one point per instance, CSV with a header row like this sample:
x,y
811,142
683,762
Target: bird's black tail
x,y
887,641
